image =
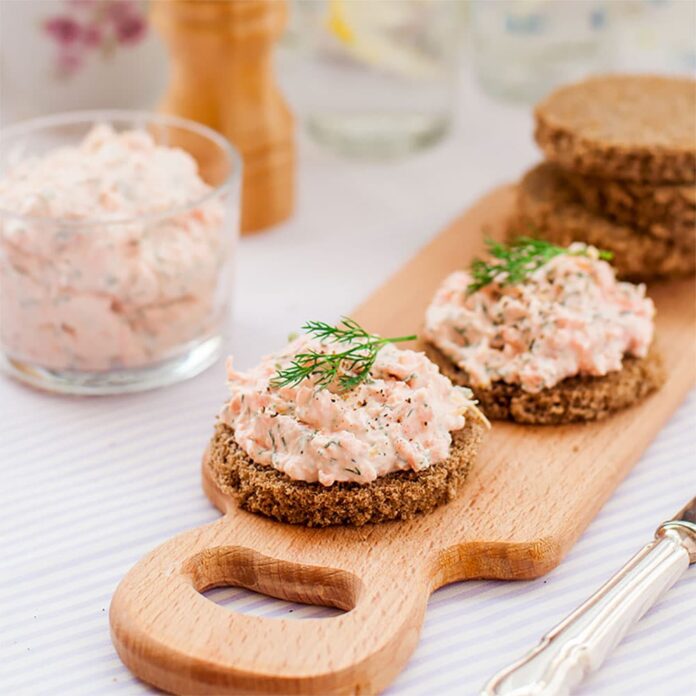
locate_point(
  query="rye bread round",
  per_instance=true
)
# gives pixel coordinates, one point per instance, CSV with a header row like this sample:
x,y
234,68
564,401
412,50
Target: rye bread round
x,y
573,400
663,211
397,496
548,208
634,127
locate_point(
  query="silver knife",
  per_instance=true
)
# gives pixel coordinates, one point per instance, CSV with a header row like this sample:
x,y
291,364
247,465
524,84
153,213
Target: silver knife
x,y
580,643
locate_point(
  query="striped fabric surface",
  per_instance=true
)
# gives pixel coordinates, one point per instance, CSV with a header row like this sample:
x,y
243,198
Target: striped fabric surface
x,y
89,486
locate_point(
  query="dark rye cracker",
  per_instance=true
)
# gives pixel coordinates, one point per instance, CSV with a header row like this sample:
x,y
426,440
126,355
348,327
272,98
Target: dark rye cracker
x,y
634,127
548,208
663,211
397,496
575,399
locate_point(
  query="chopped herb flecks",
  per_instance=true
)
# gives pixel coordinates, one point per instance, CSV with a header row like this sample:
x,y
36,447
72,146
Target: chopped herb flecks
x,y
514,262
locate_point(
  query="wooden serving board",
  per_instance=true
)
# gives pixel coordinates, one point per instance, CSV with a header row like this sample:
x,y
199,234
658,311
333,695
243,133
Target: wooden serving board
x,y
533,492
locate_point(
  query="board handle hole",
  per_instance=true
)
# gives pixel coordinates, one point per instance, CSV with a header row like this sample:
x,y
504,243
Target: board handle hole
x,y
242,601
239,567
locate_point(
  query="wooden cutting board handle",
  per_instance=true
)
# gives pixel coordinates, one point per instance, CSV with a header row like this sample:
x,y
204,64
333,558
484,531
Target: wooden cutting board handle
x,y
172,636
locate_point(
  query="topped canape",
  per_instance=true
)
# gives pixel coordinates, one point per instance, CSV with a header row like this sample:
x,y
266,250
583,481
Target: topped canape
x,y
545,334
341,427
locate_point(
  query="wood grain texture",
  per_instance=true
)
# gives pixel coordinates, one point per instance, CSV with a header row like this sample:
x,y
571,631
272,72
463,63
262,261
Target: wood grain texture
x,y
532,493
221,74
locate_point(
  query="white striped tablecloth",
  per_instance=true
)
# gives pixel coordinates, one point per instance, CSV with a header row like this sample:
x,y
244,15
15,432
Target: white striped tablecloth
x,y
87,486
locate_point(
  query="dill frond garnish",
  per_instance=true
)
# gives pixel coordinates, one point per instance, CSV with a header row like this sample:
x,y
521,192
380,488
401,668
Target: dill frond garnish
x,y
347,368
514,262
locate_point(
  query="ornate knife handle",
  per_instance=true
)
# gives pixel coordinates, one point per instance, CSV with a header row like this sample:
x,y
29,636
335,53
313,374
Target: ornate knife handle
x,y
581,642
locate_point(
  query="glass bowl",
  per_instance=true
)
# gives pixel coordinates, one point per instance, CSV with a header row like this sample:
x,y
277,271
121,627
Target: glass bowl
x,y
137,295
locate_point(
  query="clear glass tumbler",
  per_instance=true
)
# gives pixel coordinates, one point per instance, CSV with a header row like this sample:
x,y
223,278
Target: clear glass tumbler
x,y
118,302
382,73
522,50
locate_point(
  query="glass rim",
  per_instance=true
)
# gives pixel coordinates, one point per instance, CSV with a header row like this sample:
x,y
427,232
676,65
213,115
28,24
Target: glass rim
x,y
139,119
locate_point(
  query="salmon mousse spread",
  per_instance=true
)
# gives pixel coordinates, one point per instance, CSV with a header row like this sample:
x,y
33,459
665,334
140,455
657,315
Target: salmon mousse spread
x,y
111,254
397,415
539,315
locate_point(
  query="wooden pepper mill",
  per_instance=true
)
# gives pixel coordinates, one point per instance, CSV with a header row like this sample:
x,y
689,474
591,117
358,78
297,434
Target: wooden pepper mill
x,y
221,75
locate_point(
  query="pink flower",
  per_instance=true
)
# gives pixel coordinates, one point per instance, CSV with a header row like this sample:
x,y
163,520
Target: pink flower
x,y
86,25
118,10
92,36
64,30
130,30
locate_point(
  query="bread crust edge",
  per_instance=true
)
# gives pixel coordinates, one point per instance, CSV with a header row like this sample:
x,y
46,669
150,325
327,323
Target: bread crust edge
x,y
397,496
573,400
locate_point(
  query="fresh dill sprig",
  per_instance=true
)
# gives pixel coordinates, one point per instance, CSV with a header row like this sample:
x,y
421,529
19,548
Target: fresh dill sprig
x,y
347,368
514,262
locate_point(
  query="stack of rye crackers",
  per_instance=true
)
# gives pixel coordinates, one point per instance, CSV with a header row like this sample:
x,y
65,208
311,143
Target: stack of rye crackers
x,y
620,173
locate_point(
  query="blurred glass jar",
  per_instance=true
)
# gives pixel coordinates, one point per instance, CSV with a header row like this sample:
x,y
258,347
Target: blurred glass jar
x,y
137,295
373,79
655,36
521,49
